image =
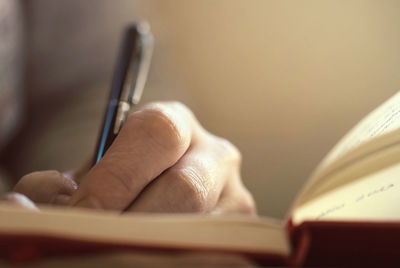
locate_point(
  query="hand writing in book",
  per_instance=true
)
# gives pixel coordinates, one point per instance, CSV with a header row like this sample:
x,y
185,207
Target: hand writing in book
x,y
163,160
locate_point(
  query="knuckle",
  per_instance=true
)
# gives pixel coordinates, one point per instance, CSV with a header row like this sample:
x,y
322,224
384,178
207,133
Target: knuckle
x,y
178,104
229,151
162,125
191,186
248,205
181,107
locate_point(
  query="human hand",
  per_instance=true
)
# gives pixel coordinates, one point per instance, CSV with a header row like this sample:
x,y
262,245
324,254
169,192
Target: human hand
x,y
163,160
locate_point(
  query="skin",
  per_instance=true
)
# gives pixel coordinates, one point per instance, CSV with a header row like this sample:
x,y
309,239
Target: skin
x,y
163,160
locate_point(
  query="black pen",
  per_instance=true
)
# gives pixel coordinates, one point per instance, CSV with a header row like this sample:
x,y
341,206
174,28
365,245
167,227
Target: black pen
x,y
128,82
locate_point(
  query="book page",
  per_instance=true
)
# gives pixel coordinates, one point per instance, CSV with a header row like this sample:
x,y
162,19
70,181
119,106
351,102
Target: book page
x,y
375,197
382,120
383,152
373,135
235,234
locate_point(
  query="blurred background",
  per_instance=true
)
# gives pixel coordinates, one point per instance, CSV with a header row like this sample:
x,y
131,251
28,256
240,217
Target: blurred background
x,y
283,80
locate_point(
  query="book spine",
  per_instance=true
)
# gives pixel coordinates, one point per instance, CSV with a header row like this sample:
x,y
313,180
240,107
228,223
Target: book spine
x,y
300,240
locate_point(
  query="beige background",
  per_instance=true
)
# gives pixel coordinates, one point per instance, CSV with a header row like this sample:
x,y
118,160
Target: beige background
x,y
283,80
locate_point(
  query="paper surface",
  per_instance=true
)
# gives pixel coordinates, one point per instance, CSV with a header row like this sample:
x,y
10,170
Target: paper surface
x,y
180,231
380,121
375,197
370,142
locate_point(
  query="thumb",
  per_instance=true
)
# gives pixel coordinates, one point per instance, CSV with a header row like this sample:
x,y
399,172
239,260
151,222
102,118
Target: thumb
x,y
46,187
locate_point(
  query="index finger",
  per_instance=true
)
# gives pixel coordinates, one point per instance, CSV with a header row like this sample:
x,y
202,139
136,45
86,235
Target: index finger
x,y
153,139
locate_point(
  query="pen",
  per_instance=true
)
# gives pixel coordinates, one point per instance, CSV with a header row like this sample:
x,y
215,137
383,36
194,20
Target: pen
x,y
128,83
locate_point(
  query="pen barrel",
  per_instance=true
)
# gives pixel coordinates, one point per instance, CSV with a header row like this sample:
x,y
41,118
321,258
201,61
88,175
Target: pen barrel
x,y
107,135
128,82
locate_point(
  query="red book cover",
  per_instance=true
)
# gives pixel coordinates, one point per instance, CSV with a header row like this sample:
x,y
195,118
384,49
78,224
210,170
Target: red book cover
x,y
334,243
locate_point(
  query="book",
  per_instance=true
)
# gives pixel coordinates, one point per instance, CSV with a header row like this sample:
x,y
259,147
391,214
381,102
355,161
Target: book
x,y
347,213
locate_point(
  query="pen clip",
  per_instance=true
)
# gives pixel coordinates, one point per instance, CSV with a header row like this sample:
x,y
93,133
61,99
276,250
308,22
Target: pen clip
x,y
139,65
147,44
137,71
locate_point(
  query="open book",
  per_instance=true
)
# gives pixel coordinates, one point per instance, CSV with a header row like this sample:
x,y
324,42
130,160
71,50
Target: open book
x,y
348,211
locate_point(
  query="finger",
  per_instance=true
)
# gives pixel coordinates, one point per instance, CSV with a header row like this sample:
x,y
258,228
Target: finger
x,y
19,200
235,199
47,187
78,174
153,139
195,183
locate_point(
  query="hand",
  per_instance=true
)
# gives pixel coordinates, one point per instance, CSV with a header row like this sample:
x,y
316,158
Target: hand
x,y
162,161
